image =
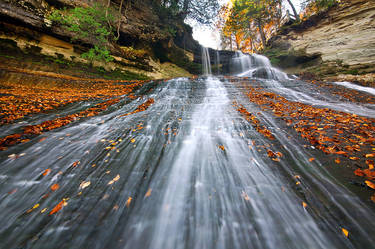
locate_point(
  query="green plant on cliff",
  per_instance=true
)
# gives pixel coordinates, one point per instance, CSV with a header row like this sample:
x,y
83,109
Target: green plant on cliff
x,y
93,24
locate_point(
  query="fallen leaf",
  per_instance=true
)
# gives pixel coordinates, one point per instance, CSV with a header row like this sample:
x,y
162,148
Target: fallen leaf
x,y
55,187
359,172
221,147
75,164
304,204
311,159
114,180
129,201
46,172
58,207
132,141
245,196
84,184
345,232
370,184
34,207
148,194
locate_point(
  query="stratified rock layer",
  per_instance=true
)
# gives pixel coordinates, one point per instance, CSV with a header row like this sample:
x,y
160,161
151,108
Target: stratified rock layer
x,y
343,37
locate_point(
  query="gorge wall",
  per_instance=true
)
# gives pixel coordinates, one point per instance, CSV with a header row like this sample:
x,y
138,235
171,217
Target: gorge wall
x,y
336,44
26,32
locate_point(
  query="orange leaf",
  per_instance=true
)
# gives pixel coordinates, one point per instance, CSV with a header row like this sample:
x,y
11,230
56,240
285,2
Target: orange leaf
x,y
222,147
129,201
370,155
337,161
304,204
345,232
58,207
359,172
75,164
148,194
341,152
311,159
370,184
55,187
373,198
46,172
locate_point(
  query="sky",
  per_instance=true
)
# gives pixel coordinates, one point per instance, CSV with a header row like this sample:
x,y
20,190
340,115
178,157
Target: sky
x,y
211,38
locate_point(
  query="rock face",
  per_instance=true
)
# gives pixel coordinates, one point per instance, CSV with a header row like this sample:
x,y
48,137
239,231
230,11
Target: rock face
x,y
26,22
339,41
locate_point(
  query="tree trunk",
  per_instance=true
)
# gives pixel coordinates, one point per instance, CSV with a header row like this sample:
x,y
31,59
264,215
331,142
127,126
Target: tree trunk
x,y
294,10
261,32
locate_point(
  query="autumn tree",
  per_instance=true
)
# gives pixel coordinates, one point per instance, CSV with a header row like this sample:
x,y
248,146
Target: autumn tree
x,y
201,11
294,10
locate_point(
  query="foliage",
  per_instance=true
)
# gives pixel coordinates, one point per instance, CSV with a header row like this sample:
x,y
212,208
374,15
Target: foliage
x,y
200,11
248,23
92,23
20,100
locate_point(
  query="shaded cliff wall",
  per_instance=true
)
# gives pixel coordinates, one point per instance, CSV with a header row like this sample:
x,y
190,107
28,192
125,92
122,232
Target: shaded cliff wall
x,y
26,22
340,41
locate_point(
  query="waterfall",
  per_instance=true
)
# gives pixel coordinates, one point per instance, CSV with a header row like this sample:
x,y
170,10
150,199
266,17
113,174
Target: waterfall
x,y
255,65
206,62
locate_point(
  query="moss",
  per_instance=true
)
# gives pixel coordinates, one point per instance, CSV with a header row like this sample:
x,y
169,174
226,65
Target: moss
x,y
353,71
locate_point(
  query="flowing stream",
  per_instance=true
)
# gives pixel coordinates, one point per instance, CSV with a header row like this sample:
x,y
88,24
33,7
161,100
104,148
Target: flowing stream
x,y
185,173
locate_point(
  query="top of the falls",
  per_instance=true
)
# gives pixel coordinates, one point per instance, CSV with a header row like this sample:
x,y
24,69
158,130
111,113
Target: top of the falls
x,y
255,65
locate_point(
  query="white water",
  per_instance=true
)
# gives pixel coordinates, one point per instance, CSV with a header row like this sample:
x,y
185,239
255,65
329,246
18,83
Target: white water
x,y
369,90
206,62
256,65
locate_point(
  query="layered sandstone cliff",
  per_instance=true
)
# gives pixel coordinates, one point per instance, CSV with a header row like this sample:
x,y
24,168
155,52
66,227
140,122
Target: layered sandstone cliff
x,y
338,42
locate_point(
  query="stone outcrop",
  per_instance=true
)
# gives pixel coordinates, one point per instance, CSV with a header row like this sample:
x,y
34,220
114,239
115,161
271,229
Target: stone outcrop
x,y
338,41
27,23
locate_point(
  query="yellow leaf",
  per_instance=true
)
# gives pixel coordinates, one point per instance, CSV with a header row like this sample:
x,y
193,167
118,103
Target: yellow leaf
x,y
84,184
345,232
114,180
132,141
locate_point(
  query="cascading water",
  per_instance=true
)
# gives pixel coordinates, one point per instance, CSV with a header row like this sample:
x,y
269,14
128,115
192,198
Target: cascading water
x,y
190,171
206,61
255,65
